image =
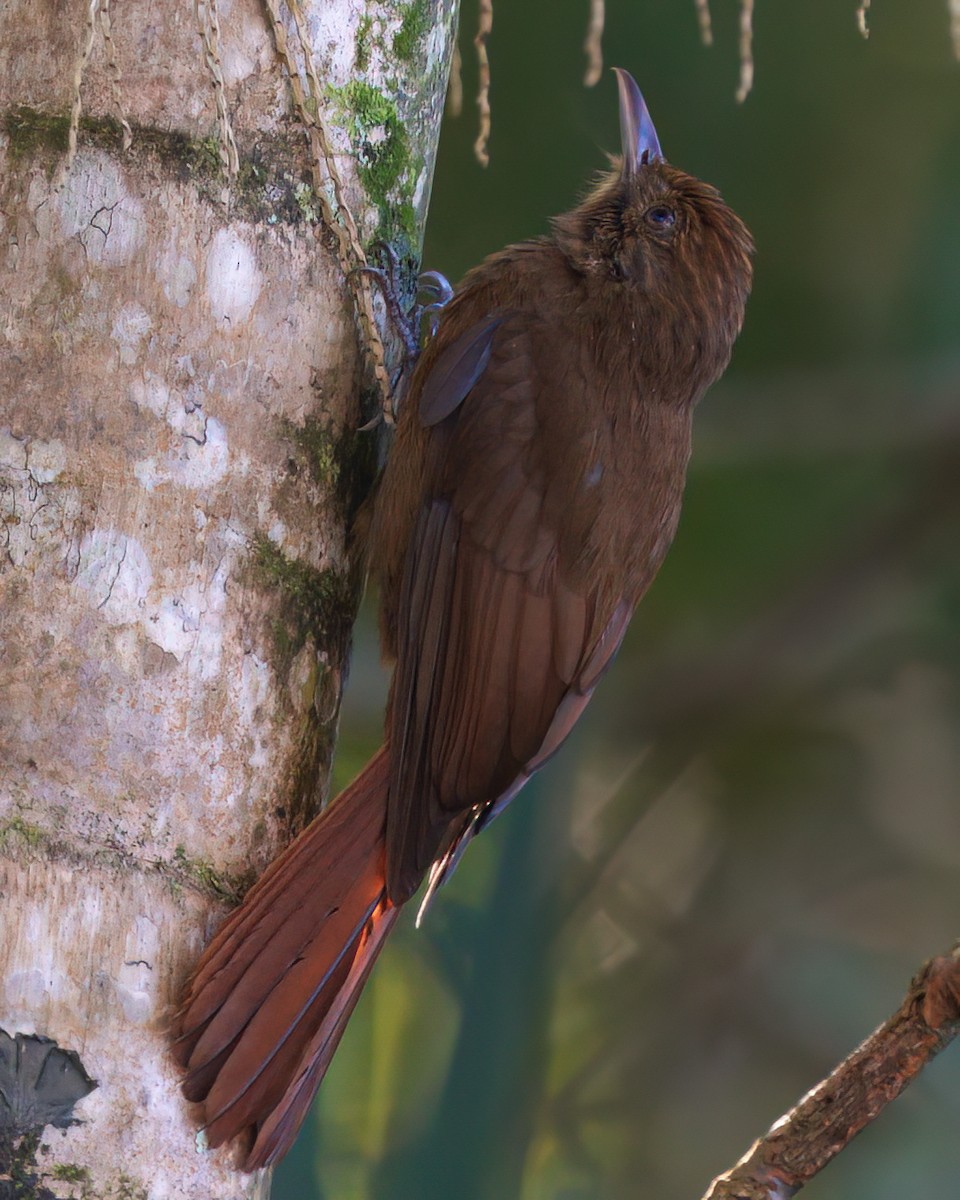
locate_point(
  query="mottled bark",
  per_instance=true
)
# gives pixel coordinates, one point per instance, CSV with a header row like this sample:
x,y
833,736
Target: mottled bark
x,y
180,386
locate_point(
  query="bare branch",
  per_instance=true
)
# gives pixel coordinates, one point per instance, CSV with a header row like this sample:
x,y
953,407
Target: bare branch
x,y
826,1120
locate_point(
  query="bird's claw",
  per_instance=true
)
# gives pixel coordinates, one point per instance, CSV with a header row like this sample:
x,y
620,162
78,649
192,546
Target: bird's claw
x,y
409,324
438,287
389,283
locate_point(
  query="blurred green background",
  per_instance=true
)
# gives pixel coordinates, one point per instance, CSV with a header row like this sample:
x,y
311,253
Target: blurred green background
x,y
728,877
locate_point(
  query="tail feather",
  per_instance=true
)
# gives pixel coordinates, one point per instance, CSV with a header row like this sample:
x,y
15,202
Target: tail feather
x,y
275,1033
280,1129
291,882
238,1097
268,1003
289,946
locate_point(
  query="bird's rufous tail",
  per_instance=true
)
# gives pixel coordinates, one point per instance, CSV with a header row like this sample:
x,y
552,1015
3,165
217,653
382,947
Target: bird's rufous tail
x,y
271,996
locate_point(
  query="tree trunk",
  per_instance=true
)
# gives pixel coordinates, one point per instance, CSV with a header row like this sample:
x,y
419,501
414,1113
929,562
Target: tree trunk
x,y
180,386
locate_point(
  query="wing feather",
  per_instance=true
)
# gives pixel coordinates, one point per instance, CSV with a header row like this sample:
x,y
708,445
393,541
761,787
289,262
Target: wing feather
x,y
456,371
500,639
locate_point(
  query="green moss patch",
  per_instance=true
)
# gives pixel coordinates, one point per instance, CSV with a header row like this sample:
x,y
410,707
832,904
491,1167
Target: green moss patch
x,y
361,44
314,603
385,164
32,835
344,465
202,874
382,140
272,185
414,27
317,444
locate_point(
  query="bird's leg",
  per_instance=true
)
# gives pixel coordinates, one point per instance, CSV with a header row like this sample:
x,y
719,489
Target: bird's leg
x,y
430,284
388,280
408,323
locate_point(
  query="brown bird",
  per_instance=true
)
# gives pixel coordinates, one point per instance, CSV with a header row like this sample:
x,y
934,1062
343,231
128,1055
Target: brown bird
x,y
531,495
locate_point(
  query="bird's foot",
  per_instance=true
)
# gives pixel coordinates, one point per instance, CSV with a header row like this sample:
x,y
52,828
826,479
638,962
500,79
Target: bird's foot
x,y
408,322
388,279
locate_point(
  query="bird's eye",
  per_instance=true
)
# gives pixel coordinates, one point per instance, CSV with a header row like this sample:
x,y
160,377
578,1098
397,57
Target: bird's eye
x,y
661,216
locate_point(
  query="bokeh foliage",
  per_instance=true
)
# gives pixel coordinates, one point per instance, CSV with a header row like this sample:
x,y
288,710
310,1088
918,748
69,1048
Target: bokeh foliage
x,y
728,877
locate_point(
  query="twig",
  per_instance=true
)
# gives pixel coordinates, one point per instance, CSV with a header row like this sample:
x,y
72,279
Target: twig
x,y
484,28
862,17
593,43
704,21
746,50
803,1141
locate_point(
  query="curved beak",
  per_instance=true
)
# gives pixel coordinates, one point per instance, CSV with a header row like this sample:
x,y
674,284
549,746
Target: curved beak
x,y
637,134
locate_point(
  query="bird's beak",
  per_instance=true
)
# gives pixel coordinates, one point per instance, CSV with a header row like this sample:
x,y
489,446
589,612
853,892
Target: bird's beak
x,y
637,134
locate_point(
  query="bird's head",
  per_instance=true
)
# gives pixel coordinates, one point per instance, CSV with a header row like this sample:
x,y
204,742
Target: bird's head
x,y
665,237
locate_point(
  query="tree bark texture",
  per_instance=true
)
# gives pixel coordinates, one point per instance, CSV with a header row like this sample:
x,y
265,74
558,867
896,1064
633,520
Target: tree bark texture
x,y
180,389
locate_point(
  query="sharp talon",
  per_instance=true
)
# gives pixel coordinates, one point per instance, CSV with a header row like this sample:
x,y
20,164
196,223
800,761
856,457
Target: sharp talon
x,y
407,324
435,284
432,314
386,415
388,253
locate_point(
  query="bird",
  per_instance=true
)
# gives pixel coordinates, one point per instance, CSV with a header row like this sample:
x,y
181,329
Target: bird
x,y
531,492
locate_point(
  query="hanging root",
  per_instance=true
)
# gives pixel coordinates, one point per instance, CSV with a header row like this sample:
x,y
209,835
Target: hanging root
x,y
746,50
593,43
208,22
455,86
337,216
484,29
705,22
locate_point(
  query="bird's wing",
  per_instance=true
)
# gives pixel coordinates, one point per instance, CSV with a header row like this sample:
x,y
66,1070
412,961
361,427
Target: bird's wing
x,y
501,639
